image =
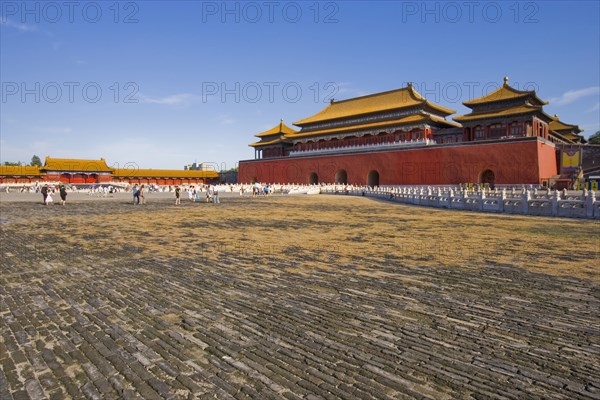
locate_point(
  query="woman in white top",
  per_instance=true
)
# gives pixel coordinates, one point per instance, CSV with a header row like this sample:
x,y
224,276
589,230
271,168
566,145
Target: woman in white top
x,y
49,198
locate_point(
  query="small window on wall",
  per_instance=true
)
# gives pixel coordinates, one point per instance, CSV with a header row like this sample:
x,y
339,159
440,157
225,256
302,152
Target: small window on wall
x,y
479,132
516,129
497,130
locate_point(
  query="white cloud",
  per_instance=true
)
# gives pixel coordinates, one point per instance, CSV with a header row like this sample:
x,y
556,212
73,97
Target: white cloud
x,y
590,129
343,90
596,107
574,95
52,130
16,25
173,100
225,119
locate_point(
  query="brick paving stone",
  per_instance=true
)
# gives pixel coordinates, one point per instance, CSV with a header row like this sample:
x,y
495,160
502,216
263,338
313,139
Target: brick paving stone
x,y
249,328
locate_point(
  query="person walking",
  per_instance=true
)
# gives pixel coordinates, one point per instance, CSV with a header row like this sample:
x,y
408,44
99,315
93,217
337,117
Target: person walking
x,y
44,192
62,190
216,199
136,196
49,197
141,195
177,195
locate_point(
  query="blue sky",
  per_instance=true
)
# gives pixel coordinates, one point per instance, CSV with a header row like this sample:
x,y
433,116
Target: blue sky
x,y
164,84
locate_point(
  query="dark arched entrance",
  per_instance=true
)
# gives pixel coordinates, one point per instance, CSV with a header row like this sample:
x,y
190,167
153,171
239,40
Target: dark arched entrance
x,y
341,177
488,177
313,179
373,178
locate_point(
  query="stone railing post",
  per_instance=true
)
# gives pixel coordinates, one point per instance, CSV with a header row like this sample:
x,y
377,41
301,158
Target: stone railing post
x,y
589,204
501,201
555,200
525,197
481,199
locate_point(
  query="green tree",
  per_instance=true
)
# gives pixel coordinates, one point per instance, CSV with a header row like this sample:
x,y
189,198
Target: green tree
x,y
595,138
12,164
35,161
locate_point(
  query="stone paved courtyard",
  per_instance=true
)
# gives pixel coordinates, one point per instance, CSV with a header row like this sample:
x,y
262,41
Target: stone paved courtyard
x,y
314,297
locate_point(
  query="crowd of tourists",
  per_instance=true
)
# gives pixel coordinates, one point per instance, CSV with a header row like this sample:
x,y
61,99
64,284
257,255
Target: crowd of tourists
x,y
194,193
212,193
47,193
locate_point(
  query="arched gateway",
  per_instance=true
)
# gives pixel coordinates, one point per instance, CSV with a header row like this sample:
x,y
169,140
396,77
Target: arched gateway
x,y
313,179
488,177
341,177
373,178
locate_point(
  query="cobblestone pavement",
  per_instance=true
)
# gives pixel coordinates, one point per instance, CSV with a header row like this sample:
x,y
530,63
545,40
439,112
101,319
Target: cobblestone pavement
x,y
138,324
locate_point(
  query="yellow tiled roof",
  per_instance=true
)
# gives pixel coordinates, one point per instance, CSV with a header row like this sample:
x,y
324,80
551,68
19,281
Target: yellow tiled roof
x,y
560,136
280,128
162,173
19,170
524,109
505,92
70,164
411,119
558,125
394,99
267,142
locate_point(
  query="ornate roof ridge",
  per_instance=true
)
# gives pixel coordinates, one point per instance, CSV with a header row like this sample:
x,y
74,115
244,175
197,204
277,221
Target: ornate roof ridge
x,y
504,92
372,103
280,128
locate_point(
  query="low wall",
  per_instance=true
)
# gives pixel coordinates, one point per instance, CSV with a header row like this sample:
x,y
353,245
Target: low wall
x,y
579,204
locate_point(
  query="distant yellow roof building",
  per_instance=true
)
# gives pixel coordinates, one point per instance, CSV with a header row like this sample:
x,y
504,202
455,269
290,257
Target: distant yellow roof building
x,y
80,171
71,164
19,170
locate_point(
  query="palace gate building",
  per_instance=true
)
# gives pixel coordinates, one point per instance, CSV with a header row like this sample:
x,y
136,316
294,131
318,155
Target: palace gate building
x,y
79,172
400,138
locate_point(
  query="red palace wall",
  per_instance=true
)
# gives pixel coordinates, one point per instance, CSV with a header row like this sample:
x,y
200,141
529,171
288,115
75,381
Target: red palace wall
x,y
159,181
78,179
18,179
527,161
